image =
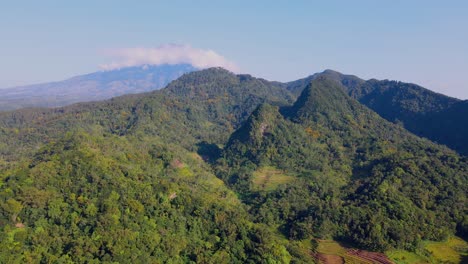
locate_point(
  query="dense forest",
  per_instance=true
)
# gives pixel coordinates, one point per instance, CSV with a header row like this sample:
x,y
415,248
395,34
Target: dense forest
x,y
425,113
349,173
222,168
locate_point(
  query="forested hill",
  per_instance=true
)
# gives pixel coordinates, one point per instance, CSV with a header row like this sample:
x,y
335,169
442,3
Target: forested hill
x,y
120,180
196,115
421,111
329,167
220,168
425,113
435,116
348,81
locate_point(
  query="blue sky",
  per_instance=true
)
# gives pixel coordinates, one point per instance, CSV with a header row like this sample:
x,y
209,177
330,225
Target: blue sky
x,y
424,42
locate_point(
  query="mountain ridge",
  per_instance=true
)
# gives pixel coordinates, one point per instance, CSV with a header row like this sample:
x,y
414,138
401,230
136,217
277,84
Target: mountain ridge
x,y
217,167
93,86
423,112
419,110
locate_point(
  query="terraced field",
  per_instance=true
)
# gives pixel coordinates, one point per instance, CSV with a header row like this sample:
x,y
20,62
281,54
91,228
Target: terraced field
x,y
331,252
454,250
269,178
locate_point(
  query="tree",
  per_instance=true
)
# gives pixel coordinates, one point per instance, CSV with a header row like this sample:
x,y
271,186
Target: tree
x,y
12,207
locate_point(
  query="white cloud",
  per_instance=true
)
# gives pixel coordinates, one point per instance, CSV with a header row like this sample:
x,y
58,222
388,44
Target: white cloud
x,y
167,54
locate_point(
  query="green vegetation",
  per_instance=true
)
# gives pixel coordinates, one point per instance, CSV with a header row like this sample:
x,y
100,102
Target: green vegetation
x,y
334,250
124,199
425,113
269,178
452,250
362,179
406,257
222,168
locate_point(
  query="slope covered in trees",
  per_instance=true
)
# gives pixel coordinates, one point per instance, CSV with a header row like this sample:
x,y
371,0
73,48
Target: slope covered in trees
x,y
348,81
355,176
127,180
201,106
425,113
87,198
115,180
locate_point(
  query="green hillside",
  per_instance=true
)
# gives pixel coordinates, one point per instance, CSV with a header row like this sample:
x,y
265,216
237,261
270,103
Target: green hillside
x,y
221,168
358,177
425,113
123,199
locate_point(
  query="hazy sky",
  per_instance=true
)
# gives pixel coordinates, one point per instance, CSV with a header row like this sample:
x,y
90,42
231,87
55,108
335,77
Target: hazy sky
x,y
424,42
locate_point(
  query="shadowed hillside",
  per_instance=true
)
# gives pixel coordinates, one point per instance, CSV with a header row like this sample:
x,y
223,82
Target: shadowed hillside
x,y
425,113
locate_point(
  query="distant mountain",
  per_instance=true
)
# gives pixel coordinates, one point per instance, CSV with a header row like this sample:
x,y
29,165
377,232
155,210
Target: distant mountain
x,y
425,113
92,87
